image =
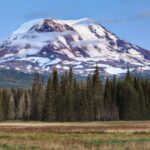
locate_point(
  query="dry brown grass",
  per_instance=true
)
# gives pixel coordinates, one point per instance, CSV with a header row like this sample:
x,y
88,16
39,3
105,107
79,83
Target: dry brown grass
x,y
75,136
77,127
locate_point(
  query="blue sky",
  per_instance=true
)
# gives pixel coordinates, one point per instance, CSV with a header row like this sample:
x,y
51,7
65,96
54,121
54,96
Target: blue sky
x,y
129,19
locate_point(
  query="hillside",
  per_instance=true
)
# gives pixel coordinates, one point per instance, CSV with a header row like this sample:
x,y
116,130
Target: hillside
x,y
40,45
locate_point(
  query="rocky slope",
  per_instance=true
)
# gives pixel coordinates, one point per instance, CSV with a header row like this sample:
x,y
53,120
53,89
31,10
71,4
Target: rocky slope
x,y
40,45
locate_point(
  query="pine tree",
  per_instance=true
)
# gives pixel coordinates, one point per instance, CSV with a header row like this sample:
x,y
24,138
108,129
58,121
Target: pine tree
x,y
37,98
129,102
63,88
119,102
70,95
147,98
97,95
5,104
128,77
89,98
141,107
27,101
115,112
41,97
1,106
77,100
11,113
48,109
55,94
21,108
108,99
83,104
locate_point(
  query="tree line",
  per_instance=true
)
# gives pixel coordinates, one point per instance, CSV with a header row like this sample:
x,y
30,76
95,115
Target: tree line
x,y
64,98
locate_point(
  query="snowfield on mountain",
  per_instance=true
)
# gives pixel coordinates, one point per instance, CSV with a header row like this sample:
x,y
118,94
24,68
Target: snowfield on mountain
x,y
40,45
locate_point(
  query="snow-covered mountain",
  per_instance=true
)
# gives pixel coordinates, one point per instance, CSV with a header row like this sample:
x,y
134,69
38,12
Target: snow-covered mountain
x,y
40,45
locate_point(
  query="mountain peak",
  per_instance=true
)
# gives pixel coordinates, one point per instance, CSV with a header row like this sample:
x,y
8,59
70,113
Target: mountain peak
x,y
41,44
28,25
38,23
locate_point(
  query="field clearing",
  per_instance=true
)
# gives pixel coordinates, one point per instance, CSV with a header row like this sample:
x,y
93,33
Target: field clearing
x,y
116,135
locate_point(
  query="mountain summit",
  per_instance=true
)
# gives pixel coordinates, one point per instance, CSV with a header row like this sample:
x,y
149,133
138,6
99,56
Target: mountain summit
x,y
40,45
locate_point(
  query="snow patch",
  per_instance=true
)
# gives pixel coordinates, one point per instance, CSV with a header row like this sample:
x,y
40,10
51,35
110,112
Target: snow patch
x,y
79,67
27,26
115,71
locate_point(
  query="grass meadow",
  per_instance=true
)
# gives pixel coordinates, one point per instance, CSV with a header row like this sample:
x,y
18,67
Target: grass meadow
x,y
127,135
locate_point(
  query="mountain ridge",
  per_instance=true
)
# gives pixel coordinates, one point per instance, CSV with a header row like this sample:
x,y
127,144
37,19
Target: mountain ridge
x,y
40,45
